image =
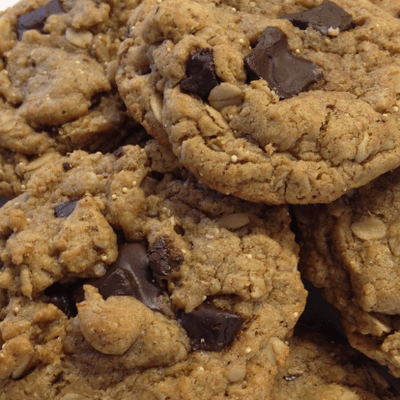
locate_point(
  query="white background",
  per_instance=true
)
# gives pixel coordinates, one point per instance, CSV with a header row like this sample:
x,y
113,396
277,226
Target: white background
x,y
7,3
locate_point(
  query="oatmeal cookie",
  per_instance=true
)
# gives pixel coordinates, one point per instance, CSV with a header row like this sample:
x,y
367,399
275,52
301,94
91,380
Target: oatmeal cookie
x,y
350,249
124,277
320,369
57,75
209,79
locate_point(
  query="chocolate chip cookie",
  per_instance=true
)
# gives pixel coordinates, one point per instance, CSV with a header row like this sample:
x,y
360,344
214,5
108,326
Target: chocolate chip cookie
x,y
350,249
57,75
216,83
124,277
320,369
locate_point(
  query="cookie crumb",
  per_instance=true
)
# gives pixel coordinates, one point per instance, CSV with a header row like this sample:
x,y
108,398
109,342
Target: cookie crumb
x,y
333,31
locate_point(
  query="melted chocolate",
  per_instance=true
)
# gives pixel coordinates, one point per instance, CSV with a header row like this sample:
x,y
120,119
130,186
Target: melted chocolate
x,y
210,328
37,18
160,260
128,276
273,61
322,18
200,70
65,209
59,295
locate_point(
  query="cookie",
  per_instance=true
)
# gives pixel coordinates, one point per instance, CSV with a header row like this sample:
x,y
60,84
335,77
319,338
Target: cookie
x,y
123,277
57,76
350,250
322,369
209,80
393,7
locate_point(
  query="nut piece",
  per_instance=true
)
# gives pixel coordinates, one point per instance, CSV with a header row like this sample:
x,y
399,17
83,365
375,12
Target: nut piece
x,y
277,351
235,372
225,94
369,228
15,356
234,221
156,103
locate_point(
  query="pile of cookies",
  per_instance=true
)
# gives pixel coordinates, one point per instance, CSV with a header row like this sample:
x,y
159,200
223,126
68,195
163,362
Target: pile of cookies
x,y
173,173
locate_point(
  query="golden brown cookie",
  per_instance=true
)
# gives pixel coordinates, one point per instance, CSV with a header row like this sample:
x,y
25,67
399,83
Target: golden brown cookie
x,y
123,277
350,249
57,75
210,80
320,369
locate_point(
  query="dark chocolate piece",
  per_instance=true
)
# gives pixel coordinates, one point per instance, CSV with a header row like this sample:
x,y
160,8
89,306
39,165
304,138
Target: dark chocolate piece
x,y
160,260
59,295
4,200
128,276
210,328
322,18
200,70
65,209
273,61
37,18
66,166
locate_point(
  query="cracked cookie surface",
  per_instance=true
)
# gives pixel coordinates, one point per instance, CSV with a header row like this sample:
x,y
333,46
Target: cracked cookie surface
x,y
241,138
87,224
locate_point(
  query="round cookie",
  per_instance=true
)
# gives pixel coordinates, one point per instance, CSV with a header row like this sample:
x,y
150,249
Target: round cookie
x,y
124,277
320,369
57,76
189,73
350,249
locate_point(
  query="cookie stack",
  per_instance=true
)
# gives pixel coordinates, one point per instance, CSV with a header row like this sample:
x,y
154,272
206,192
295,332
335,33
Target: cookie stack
x,y
172,173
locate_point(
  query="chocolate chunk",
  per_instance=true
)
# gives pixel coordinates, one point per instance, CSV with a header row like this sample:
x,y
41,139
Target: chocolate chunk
x,y
210,328
129,276
200,70
59,295
4,200
37,18
65,209
66,166
273,61
160,260
324,18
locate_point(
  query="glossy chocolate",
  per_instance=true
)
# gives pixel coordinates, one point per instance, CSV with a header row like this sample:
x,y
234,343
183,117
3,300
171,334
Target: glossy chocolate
x,y
65,209
273,61
37,18
210,328
59,295
200,70
324,17
160,260
129,276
